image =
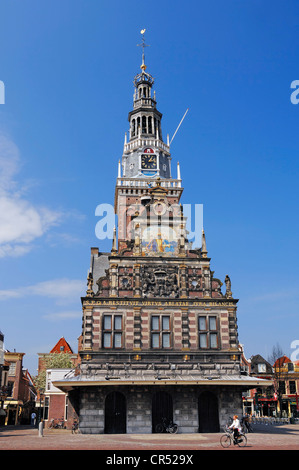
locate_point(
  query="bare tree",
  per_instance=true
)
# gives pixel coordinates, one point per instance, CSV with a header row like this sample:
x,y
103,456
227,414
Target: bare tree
x,y
276,353
278,372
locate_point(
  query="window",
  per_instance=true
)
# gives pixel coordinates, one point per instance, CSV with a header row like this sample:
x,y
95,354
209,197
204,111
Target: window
x,y
208,332
282,387
10,386
112,331
12,369
292,386
261,367
48,382
290,367
160,331
46,407
66,407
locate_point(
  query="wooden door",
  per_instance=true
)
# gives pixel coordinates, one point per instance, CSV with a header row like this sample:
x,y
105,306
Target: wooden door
x,y
115,413
208,412
161,408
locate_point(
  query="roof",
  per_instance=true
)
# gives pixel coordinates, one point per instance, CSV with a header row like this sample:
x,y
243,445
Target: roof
x,y
281,361
167,379
258,359
62,346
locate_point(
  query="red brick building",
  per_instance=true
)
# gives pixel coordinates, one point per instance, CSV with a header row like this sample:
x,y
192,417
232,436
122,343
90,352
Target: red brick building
x,y
20,391
56,407
62,346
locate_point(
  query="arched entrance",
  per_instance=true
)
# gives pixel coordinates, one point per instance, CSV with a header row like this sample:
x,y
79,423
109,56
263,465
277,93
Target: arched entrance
x,y
208,415
161,408
115,413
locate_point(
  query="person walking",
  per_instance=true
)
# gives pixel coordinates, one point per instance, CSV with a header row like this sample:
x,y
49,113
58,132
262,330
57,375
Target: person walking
x,y
33,418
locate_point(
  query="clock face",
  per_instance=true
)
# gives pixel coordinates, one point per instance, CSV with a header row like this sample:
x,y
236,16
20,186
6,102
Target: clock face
x,y
148,162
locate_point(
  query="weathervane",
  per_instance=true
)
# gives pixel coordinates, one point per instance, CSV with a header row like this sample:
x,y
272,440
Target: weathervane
x,y
143,45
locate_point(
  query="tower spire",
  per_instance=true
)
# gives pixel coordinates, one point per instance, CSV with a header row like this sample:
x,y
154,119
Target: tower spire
x,y
143,45
145,153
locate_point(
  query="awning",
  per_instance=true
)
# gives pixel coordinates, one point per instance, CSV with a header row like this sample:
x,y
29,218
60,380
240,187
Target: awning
x,y
13,403
246,382
266,399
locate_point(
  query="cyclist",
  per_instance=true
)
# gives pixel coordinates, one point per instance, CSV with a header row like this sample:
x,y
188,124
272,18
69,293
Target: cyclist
x,y
236,426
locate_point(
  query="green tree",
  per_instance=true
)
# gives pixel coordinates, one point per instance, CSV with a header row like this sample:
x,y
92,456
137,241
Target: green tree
x,y
52,361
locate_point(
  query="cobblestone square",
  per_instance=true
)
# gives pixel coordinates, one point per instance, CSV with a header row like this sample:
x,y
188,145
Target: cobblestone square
x,y
283,437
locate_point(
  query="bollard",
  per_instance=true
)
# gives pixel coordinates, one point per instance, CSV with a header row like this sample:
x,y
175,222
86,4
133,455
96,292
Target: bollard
x,y
41,429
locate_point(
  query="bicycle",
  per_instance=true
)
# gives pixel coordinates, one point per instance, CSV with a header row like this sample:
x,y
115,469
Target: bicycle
x,y
75,427
228,439
56,424
51,424
61,424
166,425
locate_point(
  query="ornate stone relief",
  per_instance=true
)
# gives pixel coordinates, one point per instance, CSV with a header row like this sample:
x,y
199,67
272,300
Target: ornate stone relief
x,y
194,283
125,282
159,281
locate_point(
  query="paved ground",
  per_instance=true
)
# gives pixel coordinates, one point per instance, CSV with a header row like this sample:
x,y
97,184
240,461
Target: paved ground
x,y
282,437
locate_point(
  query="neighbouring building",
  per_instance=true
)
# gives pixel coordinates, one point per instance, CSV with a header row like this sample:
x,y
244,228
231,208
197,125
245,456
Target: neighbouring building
x,y
62,346
286,384
261,401
20,393
159,335
4,368
53,404
56,402
281,399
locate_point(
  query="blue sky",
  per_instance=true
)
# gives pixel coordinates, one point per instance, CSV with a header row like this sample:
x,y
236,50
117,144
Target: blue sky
x,y
68,68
